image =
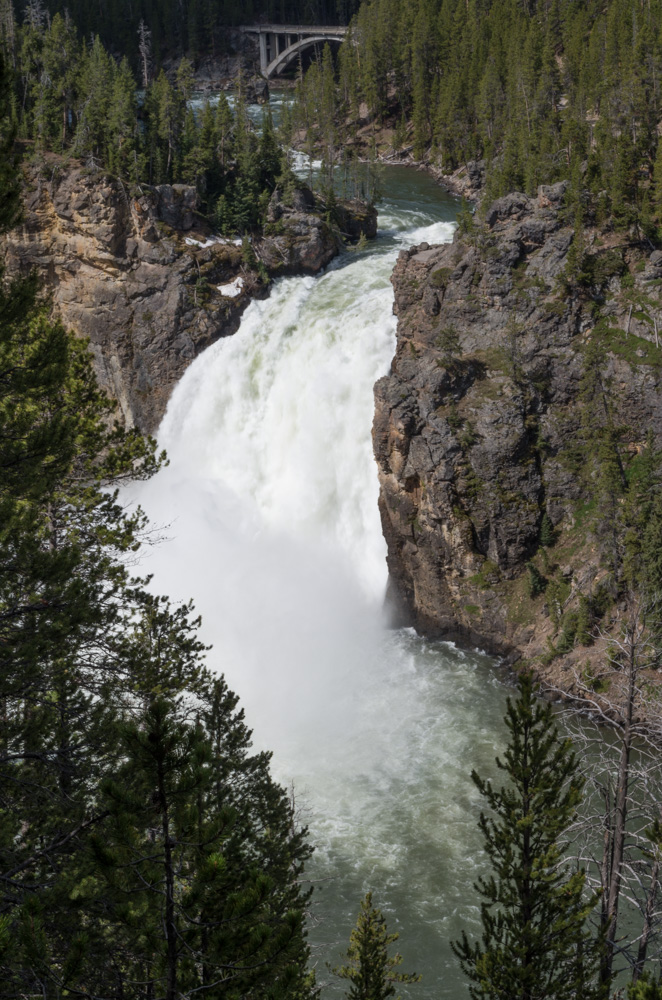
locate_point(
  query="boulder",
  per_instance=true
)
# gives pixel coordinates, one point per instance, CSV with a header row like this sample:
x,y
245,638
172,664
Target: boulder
x,y
355,219
176,205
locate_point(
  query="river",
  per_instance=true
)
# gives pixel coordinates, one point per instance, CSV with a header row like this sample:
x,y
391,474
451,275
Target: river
x,y
269,512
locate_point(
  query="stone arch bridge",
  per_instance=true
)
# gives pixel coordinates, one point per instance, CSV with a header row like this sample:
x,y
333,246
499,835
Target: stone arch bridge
x,y
281,43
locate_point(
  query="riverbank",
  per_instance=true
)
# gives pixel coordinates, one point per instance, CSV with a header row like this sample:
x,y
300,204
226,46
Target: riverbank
x,y
392,143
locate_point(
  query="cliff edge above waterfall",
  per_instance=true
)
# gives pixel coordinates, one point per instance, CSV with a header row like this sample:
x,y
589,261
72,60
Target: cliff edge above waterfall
x,y
527,372
141,274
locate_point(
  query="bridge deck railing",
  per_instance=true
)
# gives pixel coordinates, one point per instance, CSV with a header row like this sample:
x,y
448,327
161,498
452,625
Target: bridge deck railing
x,y
293,29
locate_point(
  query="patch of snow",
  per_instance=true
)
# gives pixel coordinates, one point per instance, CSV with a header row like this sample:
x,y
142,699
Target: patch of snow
x,y
233,289
198,243
212,241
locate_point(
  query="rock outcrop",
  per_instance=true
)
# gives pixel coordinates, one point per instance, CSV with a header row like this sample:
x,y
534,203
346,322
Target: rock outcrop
x,y
142,276
297,239
135,273
355,219
476,426
468,181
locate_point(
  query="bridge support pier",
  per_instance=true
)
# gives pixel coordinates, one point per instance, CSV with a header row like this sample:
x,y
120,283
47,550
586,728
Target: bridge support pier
x,y
281,44
264,58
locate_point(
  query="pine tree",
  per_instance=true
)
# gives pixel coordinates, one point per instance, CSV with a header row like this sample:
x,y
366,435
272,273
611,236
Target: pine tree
x,y
200,862
61,582
120,758
657,184
547,533
8,30
124,155
646,988
95,91
448,342
224,130
535,942
371,971
10,205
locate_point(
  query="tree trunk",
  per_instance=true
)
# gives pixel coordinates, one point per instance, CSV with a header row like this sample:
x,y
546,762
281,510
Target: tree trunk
x,y
648,922
170,928
620,811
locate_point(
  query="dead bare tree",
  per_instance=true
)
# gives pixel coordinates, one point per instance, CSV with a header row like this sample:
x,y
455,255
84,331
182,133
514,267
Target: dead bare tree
x,y
619,738
36,15
8,30
145,50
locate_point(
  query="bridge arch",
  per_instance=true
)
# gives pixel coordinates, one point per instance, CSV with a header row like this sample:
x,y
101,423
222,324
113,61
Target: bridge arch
x,y
285,57
281,43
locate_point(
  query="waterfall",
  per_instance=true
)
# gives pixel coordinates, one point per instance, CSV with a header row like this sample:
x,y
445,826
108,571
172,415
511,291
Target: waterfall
x,y
268,510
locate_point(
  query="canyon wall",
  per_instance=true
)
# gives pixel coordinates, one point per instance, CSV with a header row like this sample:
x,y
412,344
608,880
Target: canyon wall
x,y
141,275
477,426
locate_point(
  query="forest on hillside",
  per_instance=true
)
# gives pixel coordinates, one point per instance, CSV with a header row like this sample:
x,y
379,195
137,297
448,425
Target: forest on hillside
x,y
541,91
69,96
537,92
194,28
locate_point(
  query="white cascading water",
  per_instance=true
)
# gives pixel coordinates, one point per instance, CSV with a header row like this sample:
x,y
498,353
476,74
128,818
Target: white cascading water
x,y
269,508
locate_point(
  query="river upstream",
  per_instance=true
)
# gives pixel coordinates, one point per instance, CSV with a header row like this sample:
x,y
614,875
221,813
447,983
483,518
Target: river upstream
x,y
269,508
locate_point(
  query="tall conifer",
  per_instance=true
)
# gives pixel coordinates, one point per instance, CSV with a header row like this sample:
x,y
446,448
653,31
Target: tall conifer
x,y
535,942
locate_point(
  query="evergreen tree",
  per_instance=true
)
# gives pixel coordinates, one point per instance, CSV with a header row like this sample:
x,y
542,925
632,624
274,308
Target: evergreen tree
x,y
124,154
192,880
371,972
535,942
646,988
10,188
448,342
143,850
94,94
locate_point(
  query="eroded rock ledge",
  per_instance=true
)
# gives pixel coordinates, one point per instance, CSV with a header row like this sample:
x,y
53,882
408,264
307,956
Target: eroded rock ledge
x,y
475,427
143,277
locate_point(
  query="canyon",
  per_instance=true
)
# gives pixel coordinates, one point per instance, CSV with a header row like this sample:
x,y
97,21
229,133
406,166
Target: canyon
x,y
474,425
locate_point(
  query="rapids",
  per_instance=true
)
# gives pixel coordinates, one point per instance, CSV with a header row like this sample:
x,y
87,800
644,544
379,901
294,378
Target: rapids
x,y
269,508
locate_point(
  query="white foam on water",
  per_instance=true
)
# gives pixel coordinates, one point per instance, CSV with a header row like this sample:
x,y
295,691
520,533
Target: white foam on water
x,y
270,503
272,489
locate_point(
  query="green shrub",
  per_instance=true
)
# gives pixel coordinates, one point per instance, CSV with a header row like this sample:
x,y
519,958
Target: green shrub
x,y
440,277
646,988
537,582
547,533
566,640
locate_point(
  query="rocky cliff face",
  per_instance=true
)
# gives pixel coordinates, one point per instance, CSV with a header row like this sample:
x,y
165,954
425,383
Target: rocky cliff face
x,y
476,427
141,275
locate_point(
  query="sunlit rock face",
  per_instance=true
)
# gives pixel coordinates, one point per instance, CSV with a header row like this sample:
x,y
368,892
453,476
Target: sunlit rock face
x,y
139,273
476,422
125,269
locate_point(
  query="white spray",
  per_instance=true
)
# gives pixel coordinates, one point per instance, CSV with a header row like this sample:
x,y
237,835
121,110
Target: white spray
x,y
270,508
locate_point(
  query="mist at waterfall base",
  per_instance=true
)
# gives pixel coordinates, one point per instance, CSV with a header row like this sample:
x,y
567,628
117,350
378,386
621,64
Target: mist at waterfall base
x,y
269,512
